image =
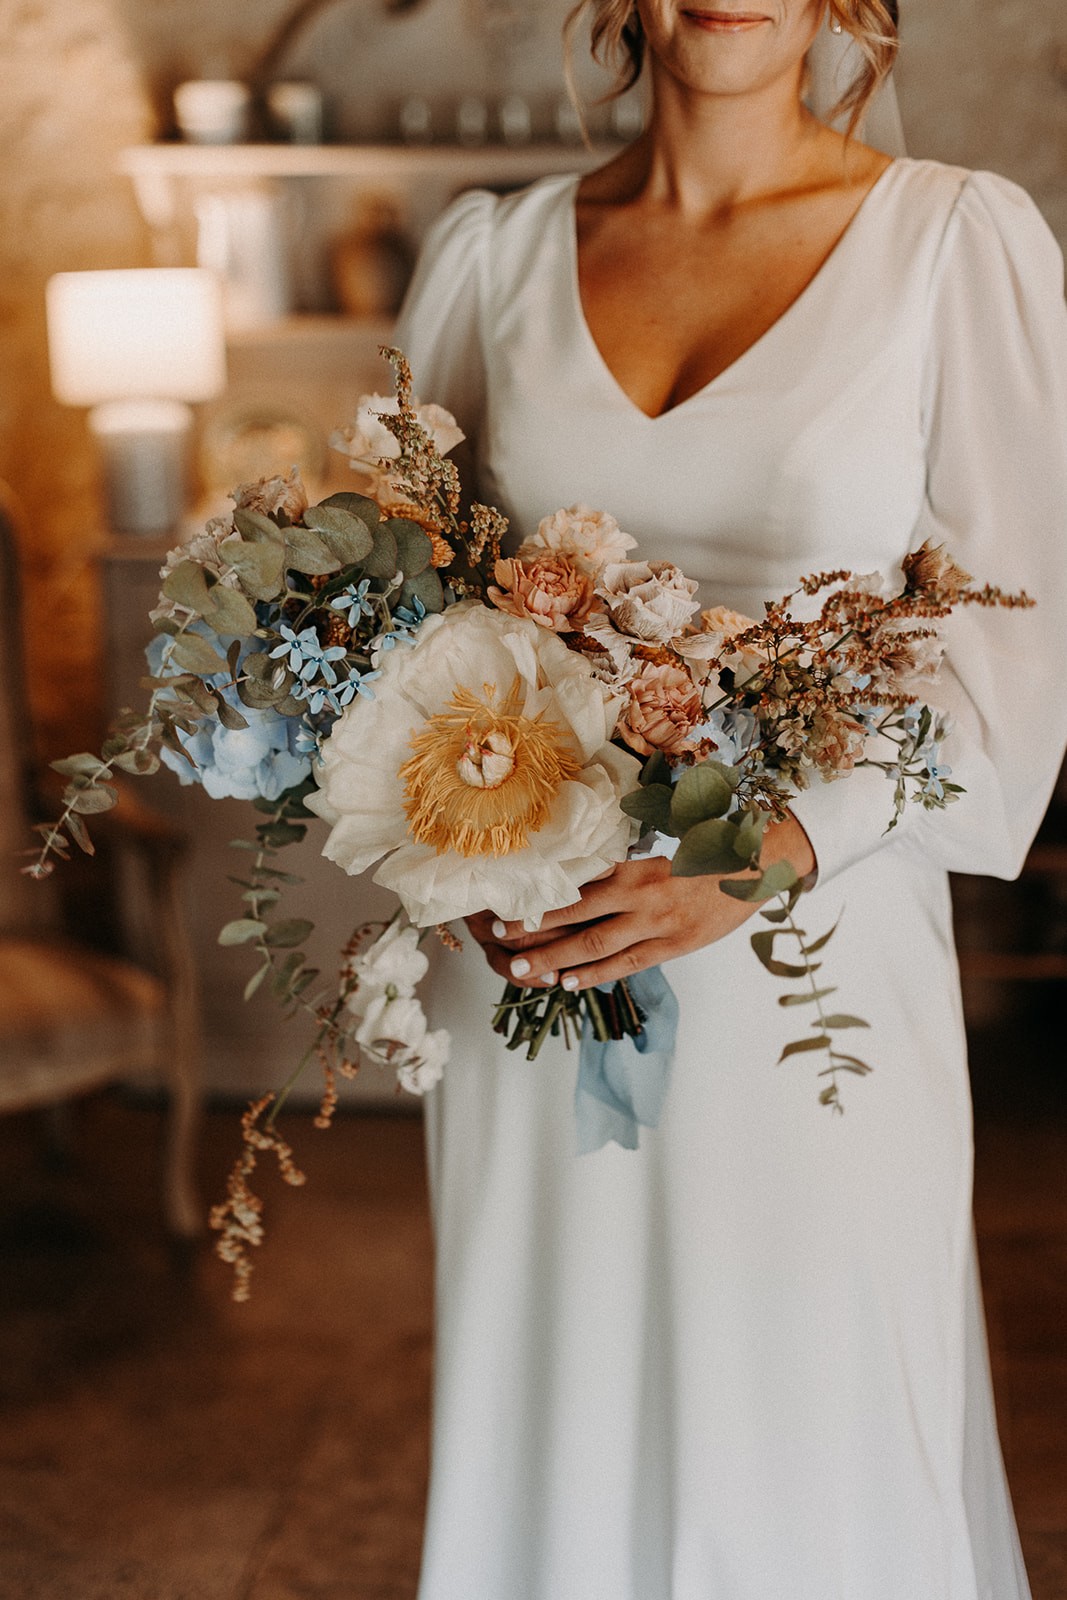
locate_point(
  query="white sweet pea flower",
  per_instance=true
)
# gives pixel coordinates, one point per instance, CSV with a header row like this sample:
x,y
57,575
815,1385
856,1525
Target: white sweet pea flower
x,y
393,963
392,1020
649,600
427,1066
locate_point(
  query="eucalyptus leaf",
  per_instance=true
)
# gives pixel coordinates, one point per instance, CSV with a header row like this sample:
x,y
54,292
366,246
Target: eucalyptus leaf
x,y
749,889
241,931
709,847
657,769
308,552
187,586
414,552
701,792
227,611
255,980
96,798
80,834
357,505
806,997
425,587
650,805
278,834
84,765
841,1019
750,836
823,939
802,1046
852,1064
256,526
195,654
779,877
141,762
382,561
348,536
260,567
229,716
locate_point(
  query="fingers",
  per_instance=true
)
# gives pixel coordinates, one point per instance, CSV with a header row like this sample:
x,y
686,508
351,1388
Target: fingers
x,y
496,955
603,897
586,947
635,958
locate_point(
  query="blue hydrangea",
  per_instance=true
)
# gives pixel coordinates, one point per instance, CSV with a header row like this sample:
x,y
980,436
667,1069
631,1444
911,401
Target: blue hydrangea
x,y
262,760
734,732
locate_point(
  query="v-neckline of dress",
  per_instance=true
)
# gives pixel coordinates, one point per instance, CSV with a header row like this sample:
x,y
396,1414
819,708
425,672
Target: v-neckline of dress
x,y
793,309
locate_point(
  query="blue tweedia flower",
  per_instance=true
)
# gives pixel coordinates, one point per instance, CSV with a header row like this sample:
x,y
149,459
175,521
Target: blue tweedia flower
x,y
353,601
328,697
732,731
410,617
307,656
933,785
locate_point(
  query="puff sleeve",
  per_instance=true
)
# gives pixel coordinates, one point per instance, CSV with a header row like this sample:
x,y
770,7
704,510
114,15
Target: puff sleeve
x,y
440,324
995,419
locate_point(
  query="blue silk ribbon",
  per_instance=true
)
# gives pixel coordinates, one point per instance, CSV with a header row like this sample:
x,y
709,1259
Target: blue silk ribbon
x,y
622,1083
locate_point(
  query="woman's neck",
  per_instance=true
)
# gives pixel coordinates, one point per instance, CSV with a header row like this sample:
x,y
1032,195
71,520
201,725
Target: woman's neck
x,y
706,155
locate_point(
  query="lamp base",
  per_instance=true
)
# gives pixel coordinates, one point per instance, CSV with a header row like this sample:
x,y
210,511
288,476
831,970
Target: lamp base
x,y
144,449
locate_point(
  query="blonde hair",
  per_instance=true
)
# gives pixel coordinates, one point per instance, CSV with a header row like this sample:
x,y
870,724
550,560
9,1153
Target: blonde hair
x,y
618,43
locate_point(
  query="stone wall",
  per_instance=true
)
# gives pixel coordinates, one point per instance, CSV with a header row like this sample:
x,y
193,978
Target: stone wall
x,y
981,83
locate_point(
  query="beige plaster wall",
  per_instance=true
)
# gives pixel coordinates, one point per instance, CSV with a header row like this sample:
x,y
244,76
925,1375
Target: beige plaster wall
x,y
982,83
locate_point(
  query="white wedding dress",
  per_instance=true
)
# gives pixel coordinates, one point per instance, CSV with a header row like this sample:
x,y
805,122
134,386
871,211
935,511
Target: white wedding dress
x,y
747,1362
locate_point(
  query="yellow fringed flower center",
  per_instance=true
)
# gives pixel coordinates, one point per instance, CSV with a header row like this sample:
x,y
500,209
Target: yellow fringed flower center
x,y
483,776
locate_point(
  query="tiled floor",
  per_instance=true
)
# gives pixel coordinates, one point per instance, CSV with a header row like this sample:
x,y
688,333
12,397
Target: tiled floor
x,y
159,1443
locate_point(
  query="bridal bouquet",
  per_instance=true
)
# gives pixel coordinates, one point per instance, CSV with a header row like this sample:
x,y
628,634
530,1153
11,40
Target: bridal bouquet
x,y
497,731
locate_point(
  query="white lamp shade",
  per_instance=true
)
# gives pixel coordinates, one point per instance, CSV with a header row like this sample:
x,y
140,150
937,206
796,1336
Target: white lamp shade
x,y
153,332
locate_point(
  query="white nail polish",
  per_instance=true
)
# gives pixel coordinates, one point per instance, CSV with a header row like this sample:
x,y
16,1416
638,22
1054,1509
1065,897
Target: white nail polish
x,y
570,982
499,929
519,967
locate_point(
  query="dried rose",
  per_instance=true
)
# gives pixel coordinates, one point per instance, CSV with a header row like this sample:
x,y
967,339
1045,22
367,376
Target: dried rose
x,y
718,626
367,441
273,495
649,600
546,587
591,539
663,709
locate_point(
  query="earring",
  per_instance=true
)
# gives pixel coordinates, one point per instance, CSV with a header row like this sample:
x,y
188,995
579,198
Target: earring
x,y
835,24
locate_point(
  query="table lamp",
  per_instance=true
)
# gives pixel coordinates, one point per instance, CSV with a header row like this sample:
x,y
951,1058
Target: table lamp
x,y
137,346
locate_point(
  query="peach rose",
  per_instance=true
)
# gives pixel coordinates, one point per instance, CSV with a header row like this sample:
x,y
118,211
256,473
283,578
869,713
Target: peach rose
x,y
718,626
591,539
663,710
649,600
547,587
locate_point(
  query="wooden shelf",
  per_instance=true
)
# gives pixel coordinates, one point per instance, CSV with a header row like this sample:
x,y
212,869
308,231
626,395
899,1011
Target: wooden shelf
x,y
491,162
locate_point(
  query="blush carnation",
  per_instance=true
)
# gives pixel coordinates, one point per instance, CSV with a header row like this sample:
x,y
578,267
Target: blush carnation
x,y
590,539
546,587
664,708
648,600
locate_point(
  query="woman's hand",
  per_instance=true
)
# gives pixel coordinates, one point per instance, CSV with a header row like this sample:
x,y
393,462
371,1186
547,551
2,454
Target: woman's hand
x,y
637,917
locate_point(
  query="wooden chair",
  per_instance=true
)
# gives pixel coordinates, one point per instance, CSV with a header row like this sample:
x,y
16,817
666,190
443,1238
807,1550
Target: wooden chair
x,y
74,1017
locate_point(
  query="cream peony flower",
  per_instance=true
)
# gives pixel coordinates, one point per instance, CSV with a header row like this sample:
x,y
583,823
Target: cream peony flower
x,y
591,539
649,600
481,772
550,589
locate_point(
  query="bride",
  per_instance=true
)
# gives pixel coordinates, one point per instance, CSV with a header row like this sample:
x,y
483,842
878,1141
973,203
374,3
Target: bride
x,y
747,1361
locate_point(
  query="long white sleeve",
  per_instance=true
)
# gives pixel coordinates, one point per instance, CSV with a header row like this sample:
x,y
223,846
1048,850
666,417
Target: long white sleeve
x,y
995,406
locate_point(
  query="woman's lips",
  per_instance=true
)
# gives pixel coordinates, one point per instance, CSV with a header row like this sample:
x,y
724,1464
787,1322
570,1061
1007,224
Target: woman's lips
x,y
725,21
